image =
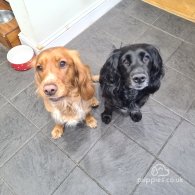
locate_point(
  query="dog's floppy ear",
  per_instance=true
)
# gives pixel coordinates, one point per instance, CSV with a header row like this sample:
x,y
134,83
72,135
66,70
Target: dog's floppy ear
x,y
82,76
33,64
109,74
157,71
33,61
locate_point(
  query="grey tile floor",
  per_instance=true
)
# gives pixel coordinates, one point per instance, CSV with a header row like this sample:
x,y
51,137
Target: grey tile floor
x,y
154,156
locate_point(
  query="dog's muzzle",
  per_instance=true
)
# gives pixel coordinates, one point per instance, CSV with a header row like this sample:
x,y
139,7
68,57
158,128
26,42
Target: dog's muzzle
x,y
139,79
50,89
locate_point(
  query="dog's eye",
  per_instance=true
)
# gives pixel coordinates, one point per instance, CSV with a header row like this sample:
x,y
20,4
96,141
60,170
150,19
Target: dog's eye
x,y
39,68
146,59
126,62
62,64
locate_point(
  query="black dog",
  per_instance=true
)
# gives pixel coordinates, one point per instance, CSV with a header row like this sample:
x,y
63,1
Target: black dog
x,y
128,77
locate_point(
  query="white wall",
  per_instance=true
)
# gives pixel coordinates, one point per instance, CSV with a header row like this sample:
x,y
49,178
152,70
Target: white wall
x,y
49,16
43,21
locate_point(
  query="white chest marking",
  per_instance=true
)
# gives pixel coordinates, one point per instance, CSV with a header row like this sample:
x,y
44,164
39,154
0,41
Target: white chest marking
x,y
57,116
69,121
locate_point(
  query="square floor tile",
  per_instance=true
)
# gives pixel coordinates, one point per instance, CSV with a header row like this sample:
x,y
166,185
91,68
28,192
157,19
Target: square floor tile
x,y
179,153
183,60
177,26
78,183
155,183
164,42
153,130
143,11
38,168
4,189
12,82
76,141
116,162
15,130
176,91
32,106
94,45
122,26
3,53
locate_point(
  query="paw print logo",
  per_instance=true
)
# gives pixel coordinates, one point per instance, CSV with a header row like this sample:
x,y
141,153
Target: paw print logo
x,y
159,170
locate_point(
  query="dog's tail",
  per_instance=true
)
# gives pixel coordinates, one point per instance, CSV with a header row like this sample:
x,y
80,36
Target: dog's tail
x,y
95,78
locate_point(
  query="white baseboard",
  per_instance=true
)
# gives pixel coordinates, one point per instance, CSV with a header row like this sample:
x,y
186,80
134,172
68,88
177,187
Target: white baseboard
x,y
73,30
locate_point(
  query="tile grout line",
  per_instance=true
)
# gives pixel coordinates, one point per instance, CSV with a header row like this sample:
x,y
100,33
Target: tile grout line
x,y
63,180
183,74
156,157
183,117
152,25
169,167
9,187
159,152
137,143
26,144
50,139
23,115
169,138
28,140
10,102
172,53
77,163
102,187
3,62
172,169
106,129
172,35
3,105
18,150
21,90
149,27
146,150
158,16
146,172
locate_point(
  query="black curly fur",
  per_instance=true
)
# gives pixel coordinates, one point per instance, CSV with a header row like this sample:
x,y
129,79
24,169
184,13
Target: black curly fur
x,y
114,80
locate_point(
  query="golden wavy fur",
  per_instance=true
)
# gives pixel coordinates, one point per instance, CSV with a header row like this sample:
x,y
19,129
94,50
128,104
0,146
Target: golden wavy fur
x,y
66,86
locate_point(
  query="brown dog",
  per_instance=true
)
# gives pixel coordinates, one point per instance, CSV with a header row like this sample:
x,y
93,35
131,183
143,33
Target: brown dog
x,y
66,86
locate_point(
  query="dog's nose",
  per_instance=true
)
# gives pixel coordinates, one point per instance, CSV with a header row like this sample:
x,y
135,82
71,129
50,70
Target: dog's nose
x,y
50,89
140,78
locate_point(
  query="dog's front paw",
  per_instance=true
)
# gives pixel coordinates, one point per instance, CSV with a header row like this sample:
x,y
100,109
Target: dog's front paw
x,y
106,118
91,121
136,116
57,131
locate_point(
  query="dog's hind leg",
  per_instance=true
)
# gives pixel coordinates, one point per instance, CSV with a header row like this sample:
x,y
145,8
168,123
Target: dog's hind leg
x,y
95,78
94,102
57,131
